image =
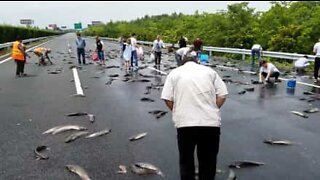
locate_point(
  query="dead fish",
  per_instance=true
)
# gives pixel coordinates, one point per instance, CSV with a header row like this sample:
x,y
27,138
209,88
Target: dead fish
x,y
227,80
146,76
54,72
78,95
226,76
147,99
255,82
138,136
143,80
155,112
79,171
232,175
240,164
277,142
122,169
302,99
110,81
77,114
60,129
249,89
72,80
99,133
49,131
242,92
85,87
40,156
91,117
159,115
311,100
109,67
127,75
145,168
114,75
308,93
312,110
74,136
299,114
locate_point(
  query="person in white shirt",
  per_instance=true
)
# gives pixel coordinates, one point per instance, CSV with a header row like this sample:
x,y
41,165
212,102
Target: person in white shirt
x,y
301,64
156,49
127,53
316,50
134,55
268,70
195,93
180,53
256,49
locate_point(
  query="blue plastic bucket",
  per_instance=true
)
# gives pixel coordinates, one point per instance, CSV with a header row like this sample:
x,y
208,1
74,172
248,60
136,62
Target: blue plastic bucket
x,y
204,58
291,83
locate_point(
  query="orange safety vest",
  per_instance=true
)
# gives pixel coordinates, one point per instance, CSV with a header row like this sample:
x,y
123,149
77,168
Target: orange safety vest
x,y
16,53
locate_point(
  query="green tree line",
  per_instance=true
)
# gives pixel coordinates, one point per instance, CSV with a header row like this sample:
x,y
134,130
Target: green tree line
x,y
286,27
10,33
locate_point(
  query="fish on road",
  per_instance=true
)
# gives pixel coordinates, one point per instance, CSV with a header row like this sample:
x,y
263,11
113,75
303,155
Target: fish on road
x,y
277,142
79,171
77,114
147,99
245,163
312,110
122,169
59,129
145,169
232,175
299,114
99,133
75,136
114,75
37,151
138,136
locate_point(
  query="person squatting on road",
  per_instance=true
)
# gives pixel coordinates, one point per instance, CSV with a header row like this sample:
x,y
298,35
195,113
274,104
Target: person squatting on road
x,y
99,50
195,93
316,50
301,64
268,70
42,53
256,50
156,49
19,55
81,44
180,54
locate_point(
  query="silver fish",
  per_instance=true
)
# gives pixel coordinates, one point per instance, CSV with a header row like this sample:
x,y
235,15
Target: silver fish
x,y
277,142
67,128
159,115
49,131
245,163
99,133
299,114
232,175
74,136
138,136
38,154
145,168
312,110
79,171
122,169
91,117
77,114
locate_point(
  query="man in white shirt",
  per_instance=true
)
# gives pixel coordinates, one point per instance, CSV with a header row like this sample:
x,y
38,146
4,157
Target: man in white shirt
x,y
301,64
195,93
316,50
256,49
268,70
156,49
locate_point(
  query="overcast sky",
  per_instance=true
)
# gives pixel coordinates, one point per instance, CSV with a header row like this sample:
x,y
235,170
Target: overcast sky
x,y
69,12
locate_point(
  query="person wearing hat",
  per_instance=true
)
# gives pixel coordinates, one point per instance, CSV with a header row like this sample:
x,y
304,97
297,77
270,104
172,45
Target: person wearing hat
x,y
42,53
195,93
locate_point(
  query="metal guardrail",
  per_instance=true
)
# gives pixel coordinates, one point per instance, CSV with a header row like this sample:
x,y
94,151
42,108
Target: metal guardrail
x,y
9,44
280,55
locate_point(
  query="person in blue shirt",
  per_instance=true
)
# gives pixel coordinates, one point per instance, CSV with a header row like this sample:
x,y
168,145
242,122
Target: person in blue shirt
x,y
81,44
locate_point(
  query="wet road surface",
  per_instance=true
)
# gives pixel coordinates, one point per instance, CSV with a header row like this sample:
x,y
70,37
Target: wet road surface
x,y
30,105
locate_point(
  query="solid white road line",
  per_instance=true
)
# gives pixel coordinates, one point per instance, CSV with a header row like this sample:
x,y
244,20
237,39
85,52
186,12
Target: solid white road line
x,y
158,70
26,51
77,82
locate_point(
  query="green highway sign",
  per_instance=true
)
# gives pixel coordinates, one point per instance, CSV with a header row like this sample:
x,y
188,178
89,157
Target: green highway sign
x,y
77,26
